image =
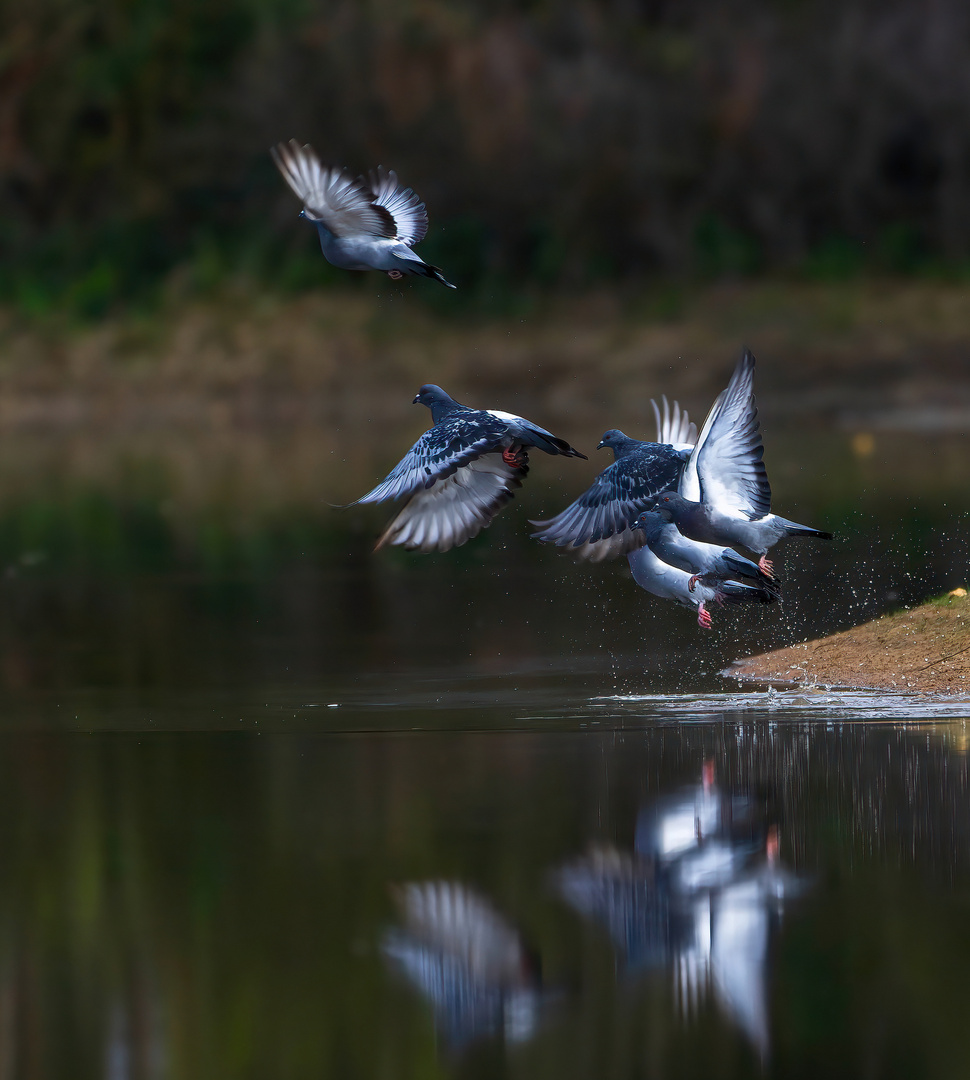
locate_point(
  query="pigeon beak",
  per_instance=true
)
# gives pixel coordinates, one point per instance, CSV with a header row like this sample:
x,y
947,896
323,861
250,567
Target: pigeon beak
x,y
302,214
600,445
417,399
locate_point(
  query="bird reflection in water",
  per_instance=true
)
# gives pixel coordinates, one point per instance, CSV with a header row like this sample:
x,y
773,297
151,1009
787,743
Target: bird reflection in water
x,y
463,956
700,894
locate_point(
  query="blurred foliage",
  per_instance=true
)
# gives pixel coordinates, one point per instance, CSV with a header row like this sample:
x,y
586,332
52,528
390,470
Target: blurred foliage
x,y
554,143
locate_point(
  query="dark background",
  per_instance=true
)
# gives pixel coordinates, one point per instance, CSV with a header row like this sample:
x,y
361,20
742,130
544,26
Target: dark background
x,y
555,143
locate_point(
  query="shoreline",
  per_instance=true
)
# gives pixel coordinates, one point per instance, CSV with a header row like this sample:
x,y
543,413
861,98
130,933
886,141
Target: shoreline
x,y
924,649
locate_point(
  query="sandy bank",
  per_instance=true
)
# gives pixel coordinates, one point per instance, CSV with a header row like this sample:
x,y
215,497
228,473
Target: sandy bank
x,y
925,648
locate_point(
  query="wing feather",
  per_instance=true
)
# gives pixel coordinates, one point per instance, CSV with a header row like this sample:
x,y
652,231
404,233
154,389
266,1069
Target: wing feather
x,y
726,469
345,205
437,455
455,509
598,525
674,425
406,210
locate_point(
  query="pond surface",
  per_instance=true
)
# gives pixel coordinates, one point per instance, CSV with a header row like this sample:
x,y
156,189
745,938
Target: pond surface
x,y
276,806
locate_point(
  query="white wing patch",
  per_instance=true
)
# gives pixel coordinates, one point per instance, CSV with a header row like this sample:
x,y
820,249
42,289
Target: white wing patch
x,y
454,509
406,209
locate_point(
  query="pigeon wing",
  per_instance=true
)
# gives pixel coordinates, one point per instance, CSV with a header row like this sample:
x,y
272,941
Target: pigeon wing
x,y
406,209
674,426
456,508
725,469
345,205
598,525
438,454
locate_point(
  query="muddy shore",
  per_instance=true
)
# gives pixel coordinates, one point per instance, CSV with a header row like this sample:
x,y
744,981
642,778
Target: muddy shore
x,y
925,648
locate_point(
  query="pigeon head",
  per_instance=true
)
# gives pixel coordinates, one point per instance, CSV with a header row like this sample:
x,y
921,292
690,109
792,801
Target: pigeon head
x,y
651,523
436,400
670,505
619,443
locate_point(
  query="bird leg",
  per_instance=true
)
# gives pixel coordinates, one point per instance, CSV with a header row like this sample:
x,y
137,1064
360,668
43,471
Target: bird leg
x,y
766,566
515,457
395,275
703,617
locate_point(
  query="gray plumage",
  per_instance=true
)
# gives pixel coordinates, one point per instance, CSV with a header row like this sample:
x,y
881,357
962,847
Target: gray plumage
x,y
723,496
599,524
460,473
706,563
671,583
363,223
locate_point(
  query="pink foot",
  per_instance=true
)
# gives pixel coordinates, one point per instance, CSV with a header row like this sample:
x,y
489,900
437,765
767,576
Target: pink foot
x,y
703,617
766,566
691,582
515,457
395,275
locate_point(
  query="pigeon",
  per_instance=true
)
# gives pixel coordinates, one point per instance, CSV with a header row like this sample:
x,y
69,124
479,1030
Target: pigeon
x,y
706,563
599,524
671,583
723,496
467,960
460,474
367,223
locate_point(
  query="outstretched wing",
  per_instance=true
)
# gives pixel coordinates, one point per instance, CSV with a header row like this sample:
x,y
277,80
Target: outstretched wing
x,y
406,209
438,454
598,525
725,469
456,508
345,205
674,425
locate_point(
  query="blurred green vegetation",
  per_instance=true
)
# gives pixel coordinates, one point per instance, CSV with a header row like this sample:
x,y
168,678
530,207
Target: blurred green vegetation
x,y
557,144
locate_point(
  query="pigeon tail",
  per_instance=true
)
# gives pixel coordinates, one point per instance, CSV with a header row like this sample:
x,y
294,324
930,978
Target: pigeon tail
x,y
424,269
553,445
741,567
733,592
792,528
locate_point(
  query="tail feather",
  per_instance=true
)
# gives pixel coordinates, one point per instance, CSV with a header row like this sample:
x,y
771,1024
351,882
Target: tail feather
x,y
792,528
427,270
553,445
745,568
732,592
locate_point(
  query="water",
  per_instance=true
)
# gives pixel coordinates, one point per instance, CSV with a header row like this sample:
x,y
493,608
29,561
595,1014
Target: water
x,y
275,806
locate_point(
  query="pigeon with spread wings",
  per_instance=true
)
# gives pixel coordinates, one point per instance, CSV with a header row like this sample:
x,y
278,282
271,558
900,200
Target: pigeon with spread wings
x,y
367,223
723,496
460,474
599,524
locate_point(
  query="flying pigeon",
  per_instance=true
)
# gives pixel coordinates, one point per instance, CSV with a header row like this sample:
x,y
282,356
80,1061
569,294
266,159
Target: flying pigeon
x,y
671,583
723,496
460,474
599,524
367,223
706,563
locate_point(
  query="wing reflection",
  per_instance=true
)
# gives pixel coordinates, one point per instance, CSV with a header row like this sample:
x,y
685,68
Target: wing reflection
x,y
699,894
462,955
